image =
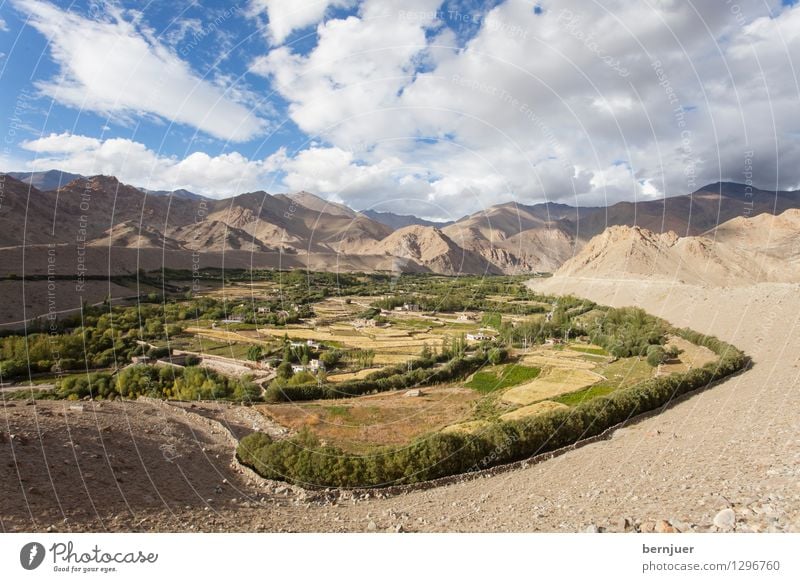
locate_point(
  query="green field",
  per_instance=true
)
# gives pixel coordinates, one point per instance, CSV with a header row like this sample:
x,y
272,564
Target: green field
x,y
575,398
488,381
588,350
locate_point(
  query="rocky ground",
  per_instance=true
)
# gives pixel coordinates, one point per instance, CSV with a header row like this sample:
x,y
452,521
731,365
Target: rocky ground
x,y
726,459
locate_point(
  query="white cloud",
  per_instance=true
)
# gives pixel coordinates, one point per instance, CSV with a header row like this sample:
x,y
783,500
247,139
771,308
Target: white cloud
x,y
359,65
286,16
133,163
3,26
114,68
584,103
563,105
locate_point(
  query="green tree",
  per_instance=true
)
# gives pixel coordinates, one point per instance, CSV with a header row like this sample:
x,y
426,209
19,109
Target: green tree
x,y
254,353
284,370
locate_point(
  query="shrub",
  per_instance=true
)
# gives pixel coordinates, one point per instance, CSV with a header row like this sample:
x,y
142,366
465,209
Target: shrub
x,y
655,355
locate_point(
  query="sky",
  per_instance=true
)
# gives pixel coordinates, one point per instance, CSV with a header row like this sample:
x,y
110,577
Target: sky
x,y
428,107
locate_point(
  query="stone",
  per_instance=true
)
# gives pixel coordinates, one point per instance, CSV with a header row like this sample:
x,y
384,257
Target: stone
x,y
663,526
372,526
592,529
725,519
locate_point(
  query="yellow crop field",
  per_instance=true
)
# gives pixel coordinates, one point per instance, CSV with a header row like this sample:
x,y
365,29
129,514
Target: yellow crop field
x,y
469,427
542,357
553,382
226,336
351,375
533,410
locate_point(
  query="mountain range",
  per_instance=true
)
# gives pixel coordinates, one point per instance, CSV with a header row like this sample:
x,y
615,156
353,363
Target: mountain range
x,y
301,229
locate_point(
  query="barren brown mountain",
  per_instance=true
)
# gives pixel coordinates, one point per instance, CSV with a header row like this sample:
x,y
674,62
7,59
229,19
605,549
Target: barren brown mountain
x,y
518,238
742,251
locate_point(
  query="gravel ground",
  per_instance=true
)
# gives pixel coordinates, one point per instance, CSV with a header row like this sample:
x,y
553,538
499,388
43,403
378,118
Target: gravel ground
x,y
725,459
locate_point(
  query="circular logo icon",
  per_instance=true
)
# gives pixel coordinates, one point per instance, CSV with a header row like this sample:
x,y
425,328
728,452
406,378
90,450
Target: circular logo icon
x,y
31,555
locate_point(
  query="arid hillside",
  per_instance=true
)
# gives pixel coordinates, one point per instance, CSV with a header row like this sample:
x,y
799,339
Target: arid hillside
x,y
742,251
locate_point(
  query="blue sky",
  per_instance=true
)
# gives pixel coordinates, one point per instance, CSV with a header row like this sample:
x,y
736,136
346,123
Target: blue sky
x,y
438,107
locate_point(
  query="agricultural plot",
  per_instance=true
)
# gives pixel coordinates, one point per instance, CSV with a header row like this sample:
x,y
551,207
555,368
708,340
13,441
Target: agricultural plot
x,y
533,410
553,382
360,424
691,356
501,377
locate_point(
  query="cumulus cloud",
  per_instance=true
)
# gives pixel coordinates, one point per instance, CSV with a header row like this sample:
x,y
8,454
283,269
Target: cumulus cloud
x,y
286,16
580,102
133,163
419,105
115,68
3,25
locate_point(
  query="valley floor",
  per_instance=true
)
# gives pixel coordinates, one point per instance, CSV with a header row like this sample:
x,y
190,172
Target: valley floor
x,y
733,446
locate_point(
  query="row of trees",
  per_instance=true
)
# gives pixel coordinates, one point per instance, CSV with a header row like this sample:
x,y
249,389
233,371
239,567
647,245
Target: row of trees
x,y
190,383
418,372
87,347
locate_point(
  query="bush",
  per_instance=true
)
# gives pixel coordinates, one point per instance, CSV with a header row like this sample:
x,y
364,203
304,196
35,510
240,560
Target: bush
x,y
191,360
656,355
158,353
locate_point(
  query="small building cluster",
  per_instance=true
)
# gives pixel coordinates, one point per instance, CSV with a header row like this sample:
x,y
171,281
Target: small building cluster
x,y
313,366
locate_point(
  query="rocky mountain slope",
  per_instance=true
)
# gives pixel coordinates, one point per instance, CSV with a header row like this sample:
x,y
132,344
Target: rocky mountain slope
x,y
741,251
517,238
428,247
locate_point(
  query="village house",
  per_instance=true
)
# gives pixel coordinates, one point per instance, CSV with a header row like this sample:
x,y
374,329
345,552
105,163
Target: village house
x,y
478,336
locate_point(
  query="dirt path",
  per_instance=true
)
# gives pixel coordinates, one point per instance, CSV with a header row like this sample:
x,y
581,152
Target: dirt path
x,y
733,446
